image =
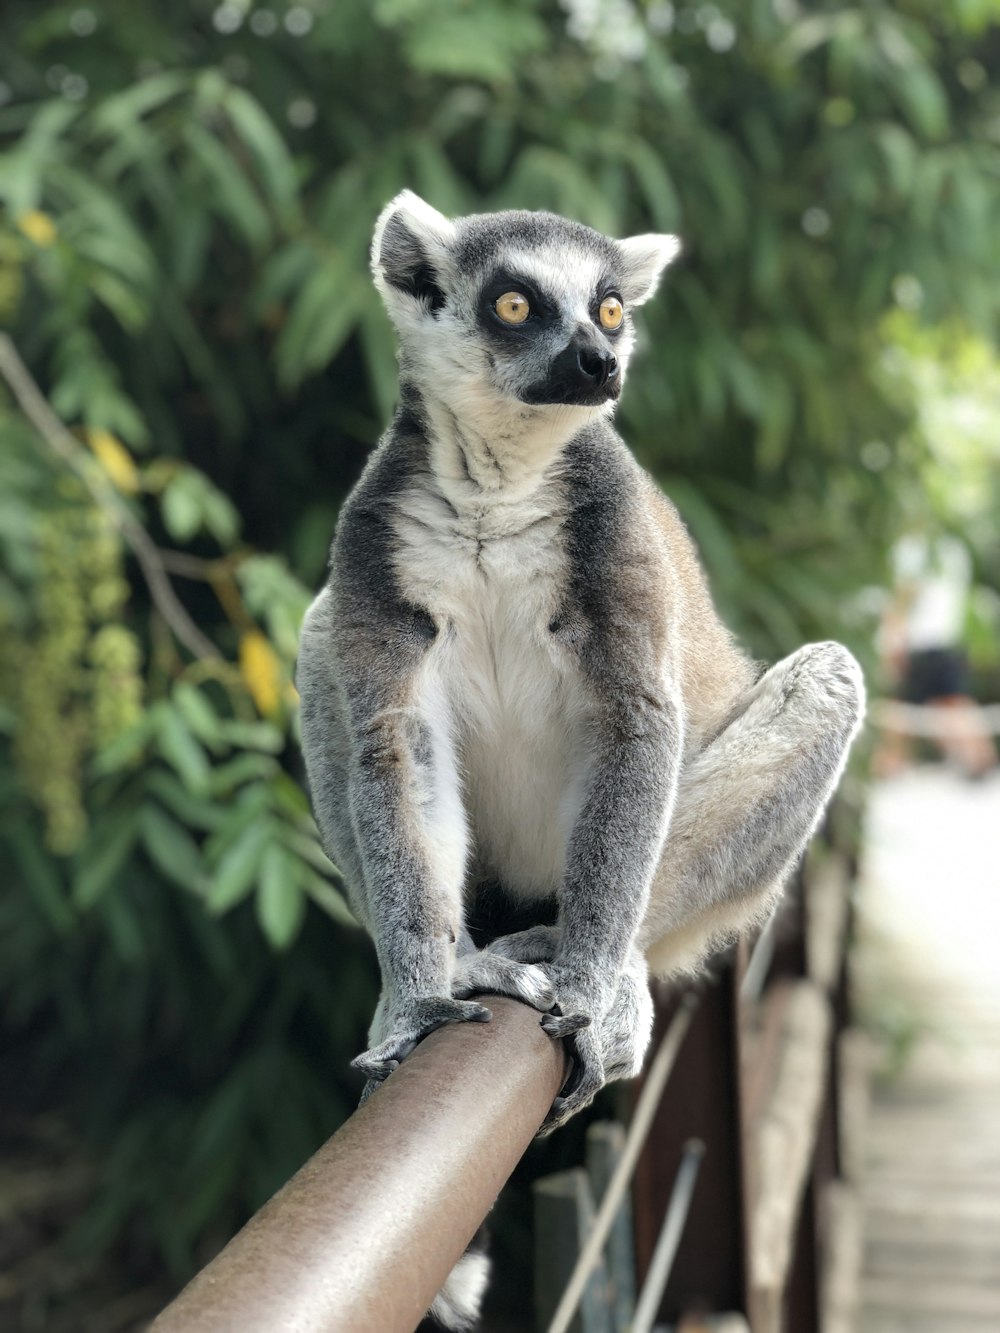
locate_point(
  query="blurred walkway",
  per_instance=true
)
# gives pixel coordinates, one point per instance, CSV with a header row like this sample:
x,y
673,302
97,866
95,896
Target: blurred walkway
x,y
930,971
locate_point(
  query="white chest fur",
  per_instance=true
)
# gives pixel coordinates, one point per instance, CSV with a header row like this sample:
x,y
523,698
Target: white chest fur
x,y
501,690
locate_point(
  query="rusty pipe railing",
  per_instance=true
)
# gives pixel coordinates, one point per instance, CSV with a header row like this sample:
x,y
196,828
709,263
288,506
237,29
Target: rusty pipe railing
x,y
362,1238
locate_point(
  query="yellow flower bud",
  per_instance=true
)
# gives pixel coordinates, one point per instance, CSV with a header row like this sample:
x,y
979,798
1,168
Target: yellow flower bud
x,y
38,227
114,458
261,671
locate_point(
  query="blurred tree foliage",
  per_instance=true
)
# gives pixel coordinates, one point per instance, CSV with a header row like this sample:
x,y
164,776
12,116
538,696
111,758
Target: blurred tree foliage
x,y
187,191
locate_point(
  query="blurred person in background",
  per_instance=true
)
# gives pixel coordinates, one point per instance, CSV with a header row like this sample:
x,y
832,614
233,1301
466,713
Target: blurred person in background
x,y
922,645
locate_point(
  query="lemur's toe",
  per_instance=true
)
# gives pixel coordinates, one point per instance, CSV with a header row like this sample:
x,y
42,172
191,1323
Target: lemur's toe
x,y
496,974
378,1063
535,987
537,944
372,1086
564,1025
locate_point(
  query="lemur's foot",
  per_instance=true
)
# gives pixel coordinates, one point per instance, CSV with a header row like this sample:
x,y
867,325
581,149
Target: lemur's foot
x,y
535,945
486,970
410,1025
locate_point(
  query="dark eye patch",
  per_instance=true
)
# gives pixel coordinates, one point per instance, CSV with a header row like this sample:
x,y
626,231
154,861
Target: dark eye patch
x,y
498,284
608,286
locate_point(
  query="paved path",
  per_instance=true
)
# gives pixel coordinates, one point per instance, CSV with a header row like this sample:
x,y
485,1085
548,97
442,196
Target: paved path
x,y
930,919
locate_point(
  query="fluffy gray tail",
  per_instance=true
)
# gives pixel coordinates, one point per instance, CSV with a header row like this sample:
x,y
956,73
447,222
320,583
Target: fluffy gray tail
x,y
456,1307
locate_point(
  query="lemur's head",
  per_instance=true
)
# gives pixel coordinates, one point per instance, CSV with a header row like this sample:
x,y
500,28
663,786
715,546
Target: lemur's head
x,y
513,309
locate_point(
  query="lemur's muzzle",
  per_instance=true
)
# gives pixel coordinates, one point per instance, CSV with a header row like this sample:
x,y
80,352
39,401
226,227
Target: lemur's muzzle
x,y
585,373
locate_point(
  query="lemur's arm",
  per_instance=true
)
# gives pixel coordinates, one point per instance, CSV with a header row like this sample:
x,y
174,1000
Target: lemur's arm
x,y
618,623
618,837
409,892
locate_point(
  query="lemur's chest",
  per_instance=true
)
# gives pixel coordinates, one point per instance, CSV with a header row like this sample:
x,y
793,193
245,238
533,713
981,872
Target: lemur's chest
x,y
506,688
493,577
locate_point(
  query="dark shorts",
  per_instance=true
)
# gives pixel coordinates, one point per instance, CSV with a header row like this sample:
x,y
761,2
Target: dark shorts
x,y
935,673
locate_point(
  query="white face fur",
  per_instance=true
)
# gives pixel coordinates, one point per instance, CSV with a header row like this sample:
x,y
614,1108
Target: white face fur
x,y
560,361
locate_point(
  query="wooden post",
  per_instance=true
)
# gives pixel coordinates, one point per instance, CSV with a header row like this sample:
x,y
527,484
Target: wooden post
x,y
704,1102
605,1140
564,1215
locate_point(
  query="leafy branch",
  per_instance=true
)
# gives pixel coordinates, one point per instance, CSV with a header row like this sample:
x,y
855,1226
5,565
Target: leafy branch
x,y
151,560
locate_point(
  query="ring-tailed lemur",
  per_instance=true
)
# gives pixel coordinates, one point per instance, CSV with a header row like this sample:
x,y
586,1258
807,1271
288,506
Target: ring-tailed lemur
x,y
515,670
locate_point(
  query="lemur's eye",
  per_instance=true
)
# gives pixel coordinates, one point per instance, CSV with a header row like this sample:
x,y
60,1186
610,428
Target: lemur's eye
x,y
612,312
513,307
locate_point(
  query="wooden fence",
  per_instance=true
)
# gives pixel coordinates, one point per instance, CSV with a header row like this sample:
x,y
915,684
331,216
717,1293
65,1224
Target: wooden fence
x,y
746,1137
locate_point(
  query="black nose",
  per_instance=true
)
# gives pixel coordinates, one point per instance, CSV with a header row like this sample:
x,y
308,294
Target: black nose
x,y
597,365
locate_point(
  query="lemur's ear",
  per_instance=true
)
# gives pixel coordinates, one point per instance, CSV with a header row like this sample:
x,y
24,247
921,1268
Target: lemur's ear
x,y
645,258
409,250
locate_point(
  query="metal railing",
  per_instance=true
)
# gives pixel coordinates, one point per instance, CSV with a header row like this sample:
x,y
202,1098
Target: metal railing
x,y
362,1238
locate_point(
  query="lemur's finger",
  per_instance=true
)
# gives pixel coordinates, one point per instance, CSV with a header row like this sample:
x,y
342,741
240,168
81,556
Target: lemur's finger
x,y
370,1087
378,1067
564,1025
435,1013
426,1016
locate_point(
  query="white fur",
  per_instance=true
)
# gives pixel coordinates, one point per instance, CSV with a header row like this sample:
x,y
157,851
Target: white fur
x,y
428,225
646,257
492,579
457,1305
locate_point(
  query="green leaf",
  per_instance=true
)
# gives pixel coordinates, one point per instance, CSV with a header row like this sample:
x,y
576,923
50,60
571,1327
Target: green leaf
x,y
655,182
281,904
242,768
239,867
199,715
182,752
171,848
103,857
181,506
116,113
322,317
125,751
193,811
325,896
42,878
220,516
231,194
481,43
273,160
263,736
306,846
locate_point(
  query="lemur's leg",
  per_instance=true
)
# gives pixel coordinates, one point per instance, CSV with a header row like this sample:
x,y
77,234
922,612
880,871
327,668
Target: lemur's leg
x,y
748,803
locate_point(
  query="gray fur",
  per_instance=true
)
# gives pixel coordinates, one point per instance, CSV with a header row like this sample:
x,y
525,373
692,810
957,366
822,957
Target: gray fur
x,y
515,670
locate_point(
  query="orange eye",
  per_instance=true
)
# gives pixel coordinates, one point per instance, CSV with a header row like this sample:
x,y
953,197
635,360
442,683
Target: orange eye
x,y
513,307
612,312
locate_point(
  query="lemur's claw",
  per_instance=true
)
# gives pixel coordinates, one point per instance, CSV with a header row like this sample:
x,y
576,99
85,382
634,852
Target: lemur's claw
x,y
412,1025
564,1025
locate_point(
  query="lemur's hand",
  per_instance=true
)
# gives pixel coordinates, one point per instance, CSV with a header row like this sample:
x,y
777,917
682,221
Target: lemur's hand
x,y
586,1077
407,1024
579,1016
612,1047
